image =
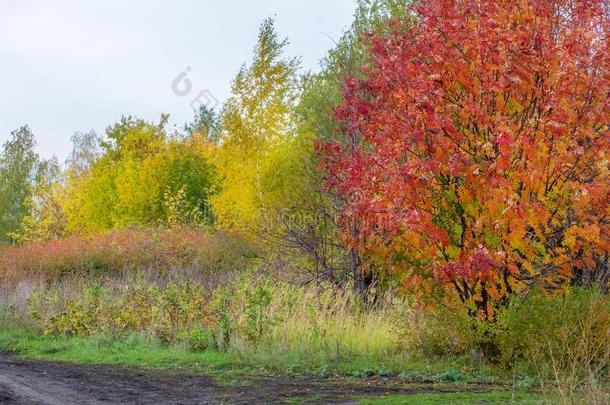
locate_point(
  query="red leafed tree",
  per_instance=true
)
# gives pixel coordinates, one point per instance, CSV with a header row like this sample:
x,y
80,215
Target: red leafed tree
x,y
481,161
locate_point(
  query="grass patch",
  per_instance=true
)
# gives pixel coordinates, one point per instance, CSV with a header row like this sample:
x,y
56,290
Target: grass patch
x,y
314,399
138,350
230,368
133,351
487,398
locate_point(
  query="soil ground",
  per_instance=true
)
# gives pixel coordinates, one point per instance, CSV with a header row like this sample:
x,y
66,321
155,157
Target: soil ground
x,y
40,382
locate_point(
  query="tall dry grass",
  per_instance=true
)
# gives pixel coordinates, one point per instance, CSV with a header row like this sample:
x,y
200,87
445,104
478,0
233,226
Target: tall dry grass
x,y
250,315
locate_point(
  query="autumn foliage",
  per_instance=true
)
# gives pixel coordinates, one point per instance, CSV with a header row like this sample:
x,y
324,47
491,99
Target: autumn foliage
x,y
476,148
128,250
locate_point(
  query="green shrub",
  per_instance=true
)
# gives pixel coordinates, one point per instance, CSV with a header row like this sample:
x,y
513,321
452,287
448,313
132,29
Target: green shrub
x,y
164,313
451,375
441,332
416,376
75,320
561,337
201,339
221,309
257,311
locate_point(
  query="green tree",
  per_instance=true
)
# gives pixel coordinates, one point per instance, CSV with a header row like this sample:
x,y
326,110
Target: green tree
x,y
86,151
18,164
206,123
45,218
143,177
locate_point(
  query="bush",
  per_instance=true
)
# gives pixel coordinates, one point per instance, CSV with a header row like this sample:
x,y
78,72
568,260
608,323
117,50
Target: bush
x,y
156,249
164,313
565,338
202,339
442,331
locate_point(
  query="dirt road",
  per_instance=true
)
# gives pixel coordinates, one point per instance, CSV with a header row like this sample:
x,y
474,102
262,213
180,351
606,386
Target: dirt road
x,y
37,382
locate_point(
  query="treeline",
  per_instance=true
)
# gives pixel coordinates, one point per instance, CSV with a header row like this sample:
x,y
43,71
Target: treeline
x,y
136,175
251,167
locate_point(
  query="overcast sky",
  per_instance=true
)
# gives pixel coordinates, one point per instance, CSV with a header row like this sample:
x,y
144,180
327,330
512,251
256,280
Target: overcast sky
x,y
76,65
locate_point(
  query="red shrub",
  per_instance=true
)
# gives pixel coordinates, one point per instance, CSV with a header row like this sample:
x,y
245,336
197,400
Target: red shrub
x,y
477,147
158,249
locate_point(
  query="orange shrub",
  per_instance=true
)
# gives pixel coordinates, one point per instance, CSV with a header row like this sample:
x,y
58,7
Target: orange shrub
x,y
148,248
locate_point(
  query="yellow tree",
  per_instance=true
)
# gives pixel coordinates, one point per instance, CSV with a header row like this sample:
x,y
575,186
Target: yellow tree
x,y
256,120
